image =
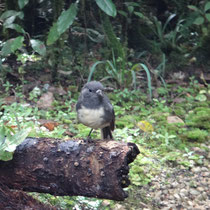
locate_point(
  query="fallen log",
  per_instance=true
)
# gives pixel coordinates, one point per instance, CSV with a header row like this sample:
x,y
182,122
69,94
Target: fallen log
x,y
97,169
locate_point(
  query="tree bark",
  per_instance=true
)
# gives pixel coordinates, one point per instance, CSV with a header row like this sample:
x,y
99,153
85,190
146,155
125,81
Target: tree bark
x,y
97,169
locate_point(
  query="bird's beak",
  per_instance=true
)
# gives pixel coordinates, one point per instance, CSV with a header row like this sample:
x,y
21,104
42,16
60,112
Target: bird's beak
x,y
99,92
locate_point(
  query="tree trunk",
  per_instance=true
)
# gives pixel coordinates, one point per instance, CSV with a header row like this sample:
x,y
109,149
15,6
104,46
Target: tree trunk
x,y
97,169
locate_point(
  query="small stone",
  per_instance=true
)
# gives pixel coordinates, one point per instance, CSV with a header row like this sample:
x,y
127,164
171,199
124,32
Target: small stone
x,y
102,173
200,197
174,185
196,169
190,203
204,194
184,191
177,196
119,207
206,174
105,203
165,192
200,189
194,192
204,169
76,164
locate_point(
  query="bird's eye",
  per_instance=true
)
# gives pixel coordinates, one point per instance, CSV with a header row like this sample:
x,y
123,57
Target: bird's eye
x,y
90,90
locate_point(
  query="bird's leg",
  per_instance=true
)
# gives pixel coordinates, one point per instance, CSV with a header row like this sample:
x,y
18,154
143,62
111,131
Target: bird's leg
x,y
89,137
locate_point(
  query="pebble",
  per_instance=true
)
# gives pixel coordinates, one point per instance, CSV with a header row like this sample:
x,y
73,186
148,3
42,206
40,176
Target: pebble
x,y
205,174
184,191
204,169
177,196
196,169
200,189
194,192
180,188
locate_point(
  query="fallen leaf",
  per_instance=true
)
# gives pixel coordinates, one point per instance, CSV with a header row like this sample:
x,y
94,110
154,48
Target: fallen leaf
x,y
49,124
10,99
145,126
174,119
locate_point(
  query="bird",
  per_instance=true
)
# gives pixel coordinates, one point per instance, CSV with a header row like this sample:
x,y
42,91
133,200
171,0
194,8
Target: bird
x,y
95,110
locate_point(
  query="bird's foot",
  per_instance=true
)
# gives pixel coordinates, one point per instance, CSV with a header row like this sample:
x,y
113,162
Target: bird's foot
x,y
88,140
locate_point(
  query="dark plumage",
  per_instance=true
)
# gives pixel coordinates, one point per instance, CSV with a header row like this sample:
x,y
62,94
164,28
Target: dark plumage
x,y
95,110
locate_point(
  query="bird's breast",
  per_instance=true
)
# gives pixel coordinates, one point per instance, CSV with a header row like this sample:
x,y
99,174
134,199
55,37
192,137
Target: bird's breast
x,y
91,117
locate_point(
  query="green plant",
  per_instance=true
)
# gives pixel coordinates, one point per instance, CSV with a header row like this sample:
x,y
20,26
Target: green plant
x,y
201,16
9,142
122,76
7,86
168,38
10,46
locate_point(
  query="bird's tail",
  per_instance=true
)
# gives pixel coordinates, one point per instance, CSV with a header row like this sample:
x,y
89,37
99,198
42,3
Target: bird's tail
x,y
106,133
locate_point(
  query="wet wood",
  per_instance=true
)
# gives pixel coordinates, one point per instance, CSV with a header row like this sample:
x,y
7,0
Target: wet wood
x,y
97,169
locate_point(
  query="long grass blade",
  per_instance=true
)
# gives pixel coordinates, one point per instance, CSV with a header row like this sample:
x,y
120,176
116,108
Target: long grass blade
x,y
93,68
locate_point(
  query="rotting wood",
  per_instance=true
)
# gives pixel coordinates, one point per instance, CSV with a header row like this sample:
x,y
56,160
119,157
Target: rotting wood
x,y
97,169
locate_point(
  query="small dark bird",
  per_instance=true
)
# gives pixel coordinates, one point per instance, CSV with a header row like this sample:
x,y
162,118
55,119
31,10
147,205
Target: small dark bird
x,y
95,110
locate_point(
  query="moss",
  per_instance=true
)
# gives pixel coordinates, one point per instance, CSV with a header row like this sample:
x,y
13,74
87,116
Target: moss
x,y
179,111
196,135
125,121
199,118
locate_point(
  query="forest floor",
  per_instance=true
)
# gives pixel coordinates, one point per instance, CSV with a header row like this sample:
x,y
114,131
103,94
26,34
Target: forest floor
x,y
176,188
171,131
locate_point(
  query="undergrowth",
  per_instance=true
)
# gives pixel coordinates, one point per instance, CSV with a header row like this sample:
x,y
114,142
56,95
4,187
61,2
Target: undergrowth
x,y
147,124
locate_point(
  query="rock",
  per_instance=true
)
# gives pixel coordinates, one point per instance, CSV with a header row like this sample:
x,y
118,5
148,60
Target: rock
x,y
174,119
190,203
177,196
204,169
119,207
200,197
46,100
205,196
175,184
206,174
194,192
196,169
184,192
105,203
200,189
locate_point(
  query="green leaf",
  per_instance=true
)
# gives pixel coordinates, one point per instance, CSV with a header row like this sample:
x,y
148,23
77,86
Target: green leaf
x,y
107,6
10,13
207,15
64,21
122,13
145,68
192,7
16,27
207,6
201,97
9,21
11,45
130,9
66,18
199,21
139,14
53,34
92,69
22,3
11,142
38,46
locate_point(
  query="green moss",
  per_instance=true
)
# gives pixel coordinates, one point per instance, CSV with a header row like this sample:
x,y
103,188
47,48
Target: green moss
x,y
125,121
199,118
196,135
179,111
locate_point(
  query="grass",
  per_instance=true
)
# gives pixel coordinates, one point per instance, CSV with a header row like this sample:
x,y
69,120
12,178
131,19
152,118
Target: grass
x,y
137,121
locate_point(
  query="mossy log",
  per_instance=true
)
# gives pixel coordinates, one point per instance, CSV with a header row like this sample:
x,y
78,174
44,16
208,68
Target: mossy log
x,y
97,169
